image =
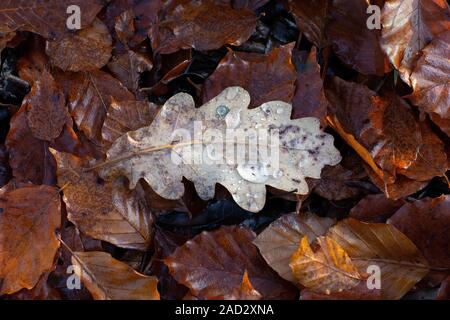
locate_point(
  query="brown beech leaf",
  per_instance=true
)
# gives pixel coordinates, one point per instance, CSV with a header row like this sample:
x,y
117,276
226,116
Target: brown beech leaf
x,y
408,26
109,279
426,222
124,116
353,42
29,157
45,17
28,244
85,50
328,269
430,78
124,26
334,182
309,97
212,264
386,134
373,207
128,66
311,19
41,291
243,292
267,77
104,210
202,25
45,108
147,152
89,97
282,237
400,262
400,188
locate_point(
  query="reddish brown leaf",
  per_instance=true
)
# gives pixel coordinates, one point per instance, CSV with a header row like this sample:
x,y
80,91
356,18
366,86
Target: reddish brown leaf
x,y
46,110
430,79
426,222
90,95
267,77
86,50
311,19
45,17
29,157
127,67
408,26
28,243
127,116
213,264
202,25
353,42
373,207
309,98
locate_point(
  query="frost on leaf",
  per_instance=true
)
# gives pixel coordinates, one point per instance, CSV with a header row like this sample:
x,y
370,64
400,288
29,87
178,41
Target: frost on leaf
x,y
223,142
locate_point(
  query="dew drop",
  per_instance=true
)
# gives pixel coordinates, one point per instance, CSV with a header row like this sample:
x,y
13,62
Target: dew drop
x,y
256,173
222,111
277,174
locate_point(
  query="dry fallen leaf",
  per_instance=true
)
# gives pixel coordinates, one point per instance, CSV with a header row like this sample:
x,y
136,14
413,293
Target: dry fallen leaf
x,y
202,25
266,77
85,50
45,17
104,210
109,279
430,79
147,152
328,269
282,237
426,223
212,264
373,207
309,97
124,116
408,26
244,292
128,66
29,218
401,263
45,108
89,96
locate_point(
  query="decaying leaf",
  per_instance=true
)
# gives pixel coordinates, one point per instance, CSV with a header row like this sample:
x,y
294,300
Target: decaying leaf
x,y
124,116
45,108
45,17
86,50
28,220
244,292
212,264
29,157
109,279
373,207
147,152
408,26
430,78
266,77
386,134
202,25
89,96
426,222
378,244
282,237
328,269
309,97
128,66
311,19
104,210
353,42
